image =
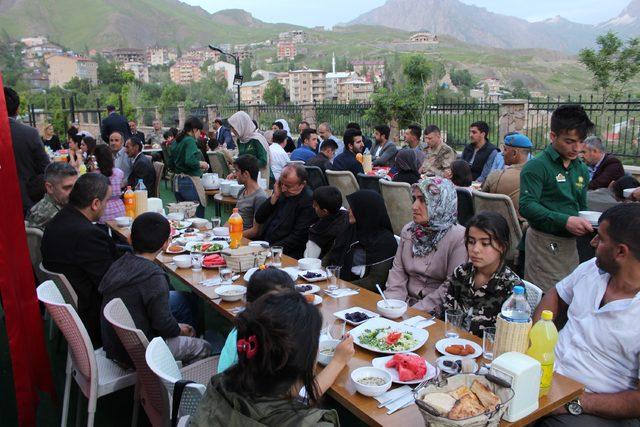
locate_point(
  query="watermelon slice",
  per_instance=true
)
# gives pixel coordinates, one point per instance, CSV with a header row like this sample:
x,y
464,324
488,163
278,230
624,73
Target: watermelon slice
x,y
409,366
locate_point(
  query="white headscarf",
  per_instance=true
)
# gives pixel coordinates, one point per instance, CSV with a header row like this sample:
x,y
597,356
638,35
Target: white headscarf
x,y
285,126
245,128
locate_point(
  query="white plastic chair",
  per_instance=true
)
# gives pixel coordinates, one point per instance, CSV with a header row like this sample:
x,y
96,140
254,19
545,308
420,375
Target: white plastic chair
x,y
533,294
63,284
398,200
343,181
34,239
95,375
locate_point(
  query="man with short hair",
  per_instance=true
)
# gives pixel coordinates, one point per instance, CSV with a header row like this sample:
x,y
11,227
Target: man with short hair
x,y
120,158
325,132
112,123
141,166
365,139
309,145
286,216
279,157
599,345
439,155
59,178
604,168
325,156
347,161
156,137
252,196
383,151
133,126
302,126
74,246
223,135
412,136
479,152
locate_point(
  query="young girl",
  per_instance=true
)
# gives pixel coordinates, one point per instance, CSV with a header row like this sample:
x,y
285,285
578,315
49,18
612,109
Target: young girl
x,y
480,287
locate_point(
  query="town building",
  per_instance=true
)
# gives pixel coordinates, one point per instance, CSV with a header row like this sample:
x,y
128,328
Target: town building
x,y
286,50
38,79
202,54
128,54
223,71
307,85
424,37
492,84
252,93
185,71
140,70
160,55
371,70
34,41
63,68
295,36
354,90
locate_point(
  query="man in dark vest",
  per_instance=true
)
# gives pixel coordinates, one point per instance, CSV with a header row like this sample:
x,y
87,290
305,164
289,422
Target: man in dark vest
x,y
479,151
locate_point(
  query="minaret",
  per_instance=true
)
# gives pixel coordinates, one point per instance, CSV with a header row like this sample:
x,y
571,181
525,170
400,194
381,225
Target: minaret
x,y
333,63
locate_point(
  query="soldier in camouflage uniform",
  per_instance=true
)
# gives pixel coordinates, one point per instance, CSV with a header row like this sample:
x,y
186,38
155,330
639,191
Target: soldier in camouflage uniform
x,y
439,155
59,178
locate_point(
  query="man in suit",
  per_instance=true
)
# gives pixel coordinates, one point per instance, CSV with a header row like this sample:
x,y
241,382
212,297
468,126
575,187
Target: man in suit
x,y
112,123
223,135
28,150
383,152
133,126
74,246
603,168
141,166
347,161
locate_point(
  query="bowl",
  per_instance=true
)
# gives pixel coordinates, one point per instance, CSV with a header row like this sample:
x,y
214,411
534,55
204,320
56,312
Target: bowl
x,y
324,359
591,216
221,231
198,222
123,221
231,293
627,192
395,309
235,190
182,261
309,264
370,371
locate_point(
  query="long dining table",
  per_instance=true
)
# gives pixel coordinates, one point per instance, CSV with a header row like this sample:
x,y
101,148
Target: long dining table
x,y
562,391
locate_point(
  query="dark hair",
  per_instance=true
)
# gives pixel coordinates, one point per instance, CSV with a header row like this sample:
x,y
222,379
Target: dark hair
x,y
383,130
278,124
279,136
174,131
570,117
72,133
415,130
87,188
287,330
267,280
90,143
12,99
167,134
624,225
622,184
301,172
104,158
111,108
431,129
149,232
248,163
328,198
461,173
218,120
306,134
495,226
304,122
350,136
57,171
191,124
136,141
483,127
329,143
353,125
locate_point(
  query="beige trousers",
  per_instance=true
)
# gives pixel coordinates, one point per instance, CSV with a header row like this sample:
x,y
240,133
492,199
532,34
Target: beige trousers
x,y
548,258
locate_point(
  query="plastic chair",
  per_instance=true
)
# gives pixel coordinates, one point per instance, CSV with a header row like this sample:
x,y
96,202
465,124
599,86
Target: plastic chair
x,y
218,164
398,200
34,239
533,294
369,182
95,375
316,177
292,162
343,181
465,206
63,285
159,168
503,205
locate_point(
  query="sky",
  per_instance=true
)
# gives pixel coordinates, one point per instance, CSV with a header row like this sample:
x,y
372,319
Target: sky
x,y
330,12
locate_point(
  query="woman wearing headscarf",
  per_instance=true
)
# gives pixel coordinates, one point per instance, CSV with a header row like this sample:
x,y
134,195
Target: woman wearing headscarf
x,y
251,141
365,250
290,144
431,247
406,164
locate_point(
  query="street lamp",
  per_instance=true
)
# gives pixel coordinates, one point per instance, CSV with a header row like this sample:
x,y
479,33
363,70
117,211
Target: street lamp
x,y
237,78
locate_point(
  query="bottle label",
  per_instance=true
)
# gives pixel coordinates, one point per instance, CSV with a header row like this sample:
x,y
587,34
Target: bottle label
x,y
547,375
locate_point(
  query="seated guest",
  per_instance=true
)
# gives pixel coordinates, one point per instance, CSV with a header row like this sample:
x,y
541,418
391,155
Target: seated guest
x,y
431,247
74,246
461,174
285,217
406,164
439,155
141,167
309,145
325,156
104,160
279,157
282,124
120,158
383,152
59,178
365,139
412,137
599,345
273,382
326,133
365,250
50,139
603,168
144,288
346,161
252,195
480,286
75,156
301,126
327,202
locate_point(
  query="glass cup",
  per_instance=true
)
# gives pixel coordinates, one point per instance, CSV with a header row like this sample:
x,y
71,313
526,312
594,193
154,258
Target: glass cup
x,y
333,274
226,274
452,321
488,342
216,221
196,261
276,256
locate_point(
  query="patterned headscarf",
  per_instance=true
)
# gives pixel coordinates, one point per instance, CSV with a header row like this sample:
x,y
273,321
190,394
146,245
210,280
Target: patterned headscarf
x,y
442,209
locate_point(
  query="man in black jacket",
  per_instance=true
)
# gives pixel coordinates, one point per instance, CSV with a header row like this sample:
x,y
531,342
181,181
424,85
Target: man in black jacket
x,y
112,123
74,246
346,161
133,127
141,166
286,216
479,151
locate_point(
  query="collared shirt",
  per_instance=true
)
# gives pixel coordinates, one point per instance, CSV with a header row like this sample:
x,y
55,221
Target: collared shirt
x,y
438,160
599,345
551,193
122,161
594,168
42,212
279,159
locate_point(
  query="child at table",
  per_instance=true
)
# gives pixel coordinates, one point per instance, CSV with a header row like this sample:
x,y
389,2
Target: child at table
x,y
333,221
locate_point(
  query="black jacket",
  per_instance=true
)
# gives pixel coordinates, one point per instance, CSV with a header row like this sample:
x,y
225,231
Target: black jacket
x,y
287,222
114,122
144,288
410,177
481,157
324,232
140,135
143,169
83,252
346,161
319,160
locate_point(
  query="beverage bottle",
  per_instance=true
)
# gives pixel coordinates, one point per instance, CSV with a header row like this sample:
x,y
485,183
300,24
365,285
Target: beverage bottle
x,y
141,198
235,229
543,337
516,308
129,203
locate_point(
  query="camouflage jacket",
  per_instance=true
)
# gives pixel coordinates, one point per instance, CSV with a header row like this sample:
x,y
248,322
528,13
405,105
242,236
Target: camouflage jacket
x,y
481,306
155,138
439,160
42,212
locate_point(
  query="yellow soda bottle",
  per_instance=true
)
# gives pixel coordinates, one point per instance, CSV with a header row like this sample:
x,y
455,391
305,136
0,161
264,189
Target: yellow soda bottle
x,y
235,229
543,337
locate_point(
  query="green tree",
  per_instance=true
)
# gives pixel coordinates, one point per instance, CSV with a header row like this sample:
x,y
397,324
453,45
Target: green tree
x,y
274,93
461,78
11,64
417,70
171,95
79,85
519,91
245,68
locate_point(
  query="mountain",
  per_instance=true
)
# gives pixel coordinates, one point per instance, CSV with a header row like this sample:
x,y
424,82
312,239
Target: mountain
x,y
627,23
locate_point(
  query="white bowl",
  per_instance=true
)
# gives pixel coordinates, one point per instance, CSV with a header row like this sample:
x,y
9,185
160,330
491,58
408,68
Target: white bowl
x,y
221,231
591,216
395,309
324,359
627,192
225,187
237,290
123,221
371,390
309,264
235,190
182,261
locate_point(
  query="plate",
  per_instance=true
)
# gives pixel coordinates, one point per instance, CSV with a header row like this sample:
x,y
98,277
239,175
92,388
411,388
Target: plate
x,y
179,225
176,252
313,290
317,299
446,342
591,216
291,271
380,362
420,335
259,244
342,314
191,245
323,275
440,362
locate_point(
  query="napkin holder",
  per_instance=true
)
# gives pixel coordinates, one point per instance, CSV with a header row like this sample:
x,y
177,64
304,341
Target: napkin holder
x,y
523,373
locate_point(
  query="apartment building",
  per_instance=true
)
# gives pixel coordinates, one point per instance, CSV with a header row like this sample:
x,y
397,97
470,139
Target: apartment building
x,y
128,54
139,70
286,50
354,90
252,93
307,85
63,68
185,71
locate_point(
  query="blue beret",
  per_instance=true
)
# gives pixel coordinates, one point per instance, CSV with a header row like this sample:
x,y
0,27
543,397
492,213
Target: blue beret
x,y
518,140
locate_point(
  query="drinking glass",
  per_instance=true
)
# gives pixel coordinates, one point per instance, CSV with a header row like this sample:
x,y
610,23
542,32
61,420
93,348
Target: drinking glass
x,y
196,261
216,221
488,342
333,274
452,321
225,276
276,256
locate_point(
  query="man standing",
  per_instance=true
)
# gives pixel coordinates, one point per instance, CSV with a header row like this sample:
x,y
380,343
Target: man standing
x,y
133,126
324,158
302,126
309,145
120,158
412,137
603,168
479,152
347,160
59,178
325,132
383,151
112,123
156,137
223,135
141,166
553,189
439,155
279,157
252,196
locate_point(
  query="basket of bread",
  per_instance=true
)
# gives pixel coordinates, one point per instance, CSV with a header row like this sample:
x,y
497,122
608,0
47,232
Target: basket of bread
x,y
464,400
244,258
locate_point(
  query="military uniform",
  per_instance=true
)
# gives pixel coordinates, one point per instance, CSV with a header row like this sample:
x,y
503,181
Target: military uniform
x,y
42,212
507,182
155,138
438,160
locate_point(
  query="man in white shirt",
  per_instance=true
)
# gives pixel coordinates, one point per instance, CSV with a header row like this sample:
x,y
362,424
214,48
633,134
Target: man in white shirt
x,y
599,345
279,157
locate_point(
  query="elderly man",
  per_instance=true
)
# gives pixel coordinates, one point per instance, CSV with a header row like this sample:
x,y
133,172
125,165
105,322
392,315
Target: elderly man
x,y
603,168
439,155
383,151
479,152
133,125
325,132
120,158
412,137
286,216
156,137
59,178
141,166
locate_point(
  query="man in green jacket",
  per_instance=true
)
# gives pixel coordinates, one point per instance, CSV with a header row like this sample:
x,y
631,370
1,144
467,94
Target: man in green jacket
x,y
553,189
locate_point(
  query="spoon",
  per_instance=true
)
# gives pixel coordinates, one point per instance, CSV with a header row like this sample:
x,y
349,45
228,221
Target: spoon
x,y
383,297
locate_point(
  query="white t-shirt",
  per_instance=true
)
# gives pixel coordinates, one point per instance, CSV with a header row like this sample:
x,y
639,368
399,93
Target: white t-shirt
x,y
598,346
279,159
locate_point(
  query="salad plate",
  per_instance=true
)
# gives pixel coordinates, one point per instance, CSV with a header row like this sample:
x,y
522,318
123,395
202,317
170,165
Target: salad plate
x,y
386,336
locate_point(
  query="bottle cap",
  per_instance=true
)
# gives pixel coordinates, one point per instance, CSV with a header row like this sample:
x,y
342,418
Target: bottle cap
x,y
519,290
235,210
547,315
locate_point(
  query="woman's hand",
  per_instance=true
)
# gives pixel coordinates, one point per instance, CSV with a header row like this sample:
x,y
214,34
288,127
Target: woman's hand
x,y
204,165
345,350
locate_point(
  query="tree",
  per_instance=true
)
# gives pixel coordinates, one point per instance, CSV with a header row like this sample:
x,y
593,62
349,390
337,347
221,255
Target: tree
x,y
519,91
461,78
417,70
245,67
274,93
171,95
613,65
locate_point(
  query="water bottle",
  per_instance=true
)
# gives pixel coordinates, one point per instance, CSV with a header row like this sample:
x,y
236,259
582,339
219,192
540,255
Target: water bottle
x,y
516,308
141,198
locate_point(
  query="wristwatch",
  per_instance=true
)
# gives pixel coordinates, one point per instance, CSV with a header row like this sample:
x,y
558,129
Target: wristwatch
x,y
574,407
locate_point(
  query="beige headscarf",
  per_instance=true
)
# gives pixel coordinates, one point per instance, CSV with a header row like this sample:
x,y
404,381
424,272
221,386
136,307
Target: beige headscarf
x,y
246,130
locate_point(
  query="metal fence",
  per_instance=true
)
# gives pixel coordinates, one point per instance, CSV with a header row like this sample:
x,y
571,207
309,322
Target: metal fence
x,y
339,115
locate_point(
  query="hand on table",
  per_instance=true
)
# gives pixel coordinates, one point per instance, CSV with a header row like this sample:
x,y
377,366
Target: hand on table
x,y
578,226
186,330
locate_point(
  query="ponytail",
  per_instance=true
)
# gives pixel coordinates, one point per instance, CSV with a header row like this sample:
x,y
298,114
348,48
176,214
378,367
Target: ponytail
x,y
191,124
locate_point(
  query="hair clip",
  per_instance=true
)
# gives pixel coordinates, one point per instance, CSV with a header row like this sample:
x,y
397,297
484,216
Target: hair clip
x,y
248,346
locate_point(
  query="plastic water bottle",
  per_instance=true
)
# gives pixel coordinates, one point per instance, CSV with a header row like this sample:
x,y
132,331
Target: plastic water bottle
x,y
516,308
141,198
544,337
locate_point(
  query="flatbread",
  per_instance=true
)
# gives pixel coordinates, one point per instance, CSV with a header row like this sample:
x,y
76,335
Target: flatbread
x,y
440,402
488,399
459,392
466,407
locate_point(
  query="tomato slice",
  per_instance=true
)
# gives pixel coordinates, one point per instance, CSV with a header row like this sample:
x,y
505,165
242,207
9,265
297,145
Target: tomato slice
x,y
393,337
205,246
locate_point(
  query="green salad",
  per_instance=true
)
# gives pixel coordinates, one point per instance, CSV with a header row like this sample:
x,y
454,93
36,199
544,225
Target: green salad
x,y
207,248
386,339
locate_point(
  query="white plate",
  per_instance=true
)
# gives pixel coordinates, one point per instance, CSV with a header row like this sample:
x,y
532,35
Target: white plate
x,y
259,244
313,290
179,225
291,271
175,253
317,299
420,335
446,342
342,314
214,187
440,362
323,276
380,362
190,245
591,216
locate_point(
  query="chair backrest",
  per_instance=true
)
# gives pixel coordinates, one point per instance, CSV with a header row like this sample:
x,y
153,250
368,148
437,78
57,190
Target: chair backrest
x,y
159,168
345,182
34,239
218,164
316,177
503,205
64,286
299,162
533,294
397,199
154,397
369,182
465,206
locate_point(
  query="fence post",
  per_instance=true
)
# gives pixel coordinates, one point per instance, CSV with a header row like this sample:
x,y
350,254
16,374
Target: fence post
x,y
181,115
394,135
309,114
212,113
254,112
512,117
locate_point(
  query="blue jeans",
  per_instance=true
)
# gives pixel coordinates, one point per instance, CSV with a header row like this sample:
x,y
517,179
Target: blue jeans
x,y
187,193
183,306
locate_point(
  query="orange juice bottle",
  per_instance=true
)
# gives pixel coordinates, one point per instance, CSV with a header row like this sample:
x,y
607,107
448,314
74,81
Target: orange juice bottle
x,y
129,203
235,229
544,336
